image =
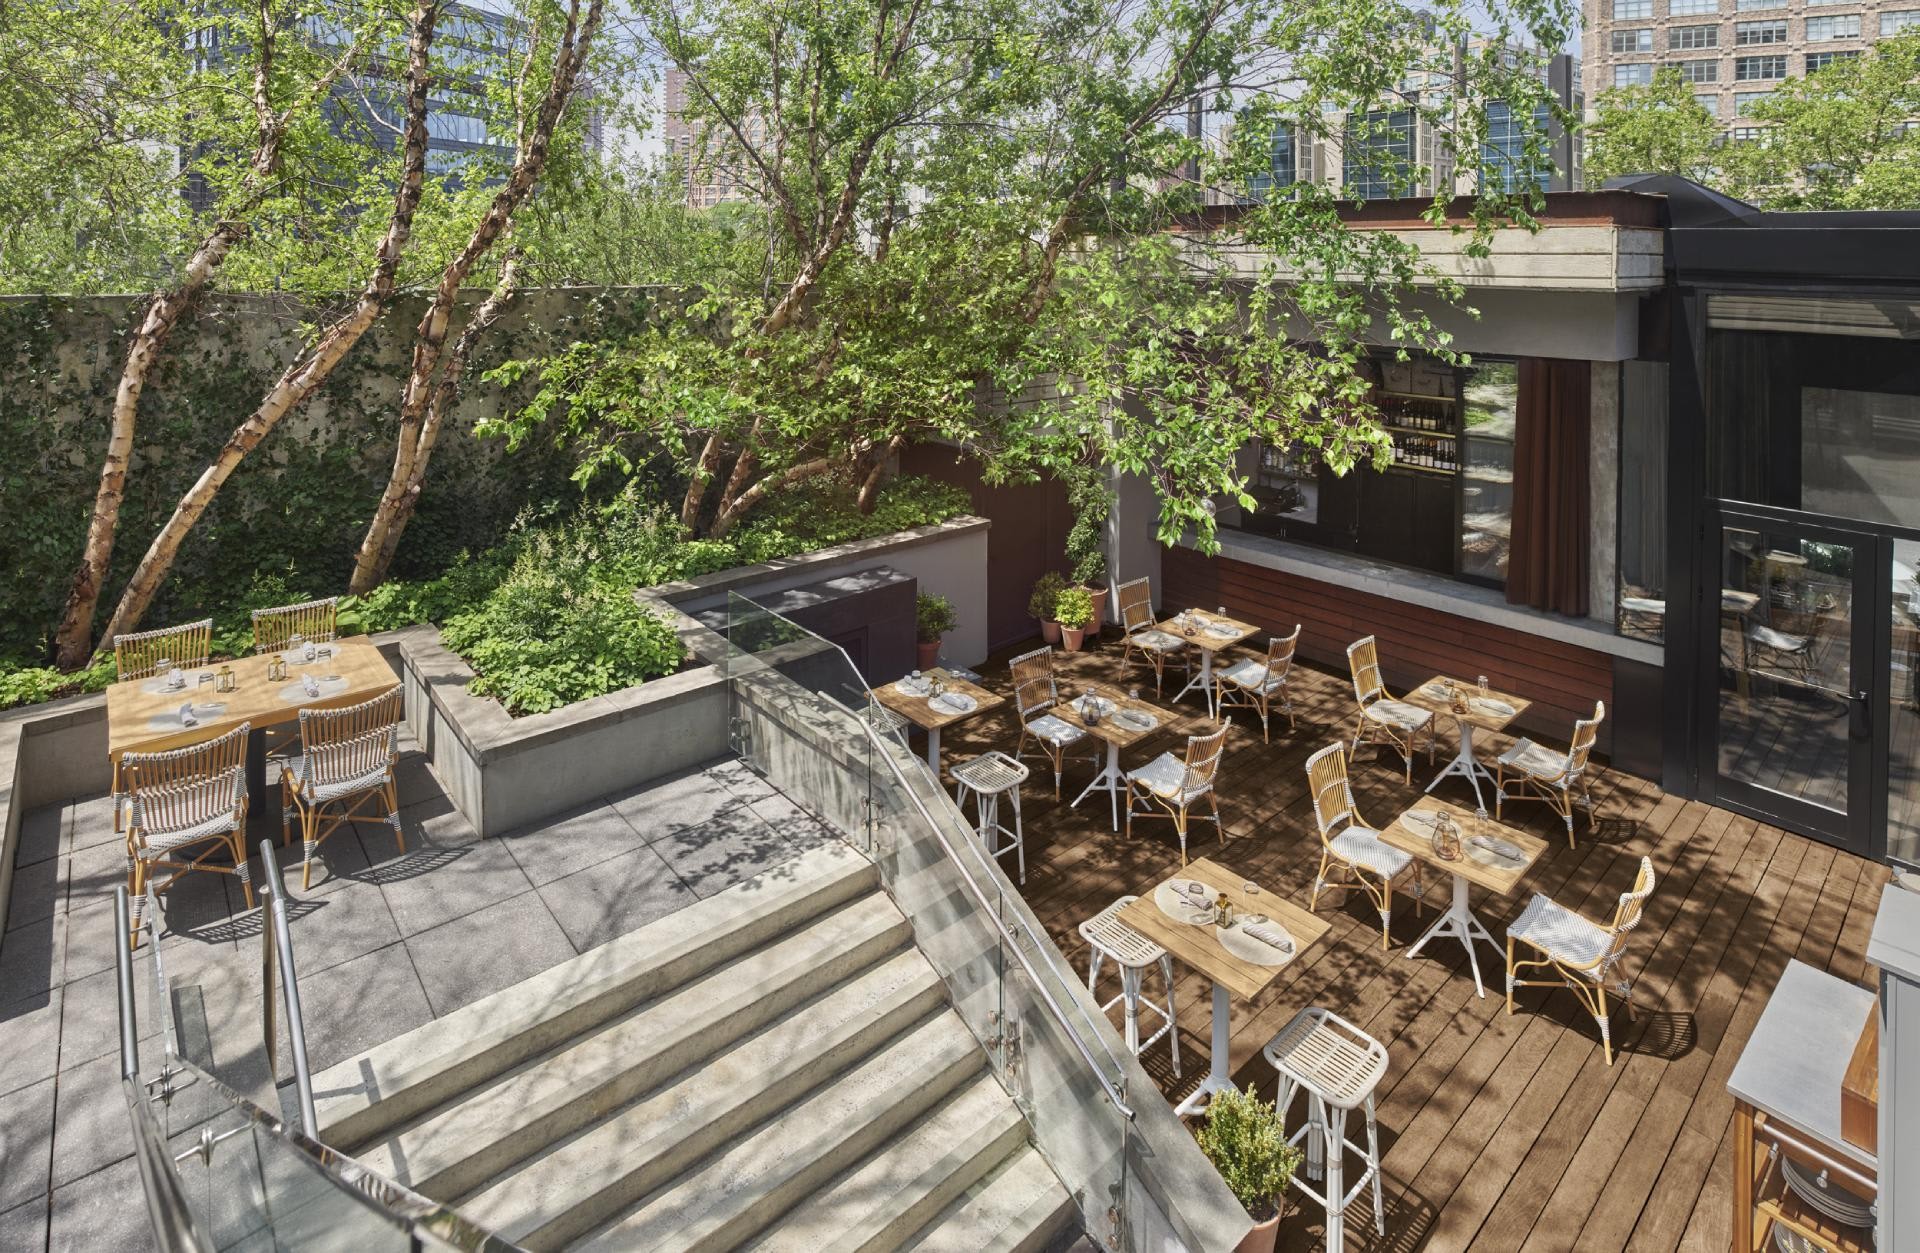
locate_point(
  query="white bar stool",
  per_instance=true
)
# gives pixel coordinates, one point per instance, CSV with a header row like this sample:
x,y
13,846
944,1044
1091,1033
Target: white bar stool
x,y
1113,940
989,777
1338,1066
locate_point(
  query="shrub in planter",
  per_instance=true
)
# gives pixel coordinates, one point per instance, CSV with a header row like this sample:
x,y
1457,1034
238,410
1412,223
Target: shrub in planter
x,y
933,618
1246,1140
1041,605
1091,500
1074,609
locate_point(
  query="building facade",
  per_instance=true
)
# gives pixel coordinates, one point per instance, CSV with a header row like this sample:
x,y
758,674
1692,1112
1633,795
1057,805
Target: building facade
x,y
1733,52
705,164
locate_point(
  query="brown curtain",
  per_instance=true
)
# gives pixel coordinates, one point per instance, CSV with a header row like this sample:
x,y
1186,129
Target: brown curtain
x,y
1547,557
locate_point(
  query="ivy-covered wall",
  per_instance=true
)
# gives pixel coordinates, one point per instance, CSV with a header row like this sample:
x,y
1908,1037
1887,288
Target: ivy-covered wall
x,y
300,503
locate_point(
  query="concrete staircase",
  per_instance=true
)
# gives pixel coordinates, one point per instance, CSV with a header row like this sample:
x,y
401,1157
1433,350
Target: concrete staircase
x,y
773,1068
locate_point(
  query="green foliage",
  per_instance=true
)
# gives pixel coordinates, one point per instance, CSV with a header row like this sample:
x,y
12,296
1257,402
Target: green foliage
x,y
555,632
933,617
31,685
1092,503
1046,596
1246,1140
1073,607
1655,129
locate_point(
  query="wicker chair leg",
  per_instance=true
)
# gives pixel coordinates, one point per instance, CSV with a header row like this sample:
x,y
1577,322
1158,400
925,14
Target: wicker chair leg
x,y
393,813
1509,976
310,836
137,894
1386,915
242,867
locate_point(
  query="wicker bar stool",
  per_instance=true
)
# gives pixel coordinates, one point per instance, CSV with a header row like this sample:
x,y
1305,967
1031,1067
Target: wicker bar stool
x,y
1114,941
1338,1066
989,777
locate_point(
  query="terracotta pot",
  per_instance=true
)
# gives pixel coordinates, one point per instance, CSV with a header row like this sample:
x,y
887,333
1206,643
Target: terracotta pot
x,y
1049,631
1262,1237
927,655
1099,620
1075,637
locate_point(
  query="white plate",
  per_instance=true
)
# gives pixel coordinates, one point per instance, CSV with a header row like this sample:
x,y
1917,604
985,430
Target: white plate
x,y
1134,721
1100,705
915,687
1222,630
953,703
1488,705
1491,850
1248,949
296,693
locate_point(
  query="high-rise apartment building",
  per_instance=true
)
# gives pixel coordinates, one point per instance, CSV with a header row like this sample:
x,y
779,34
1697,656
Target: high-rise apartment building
x,y
1733,52
709,165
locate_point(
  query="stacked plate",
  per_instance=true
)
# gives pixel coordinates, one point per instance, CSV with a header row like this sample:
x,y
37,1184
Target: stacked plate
x,y
1825,1196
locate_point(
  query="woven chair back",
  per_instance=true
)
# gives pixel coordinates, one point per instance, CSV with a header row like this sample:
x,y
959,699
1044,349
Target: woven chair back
x,y
1280,650
1632,908
1585,732
1332,796
181,788
135,655
1203,759
1363,662
1034,689
346,744
1134,601
313,620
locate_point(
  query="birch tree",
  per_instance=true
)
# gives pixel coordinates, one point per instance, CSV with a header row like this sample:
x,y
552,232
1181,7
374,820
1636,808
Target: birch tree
x,y
310,369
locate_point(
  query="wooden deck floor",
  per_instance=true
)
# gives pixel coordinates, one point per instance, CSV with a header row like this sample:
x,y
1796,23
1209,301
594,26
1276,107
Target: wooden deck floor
x,y
1497,1132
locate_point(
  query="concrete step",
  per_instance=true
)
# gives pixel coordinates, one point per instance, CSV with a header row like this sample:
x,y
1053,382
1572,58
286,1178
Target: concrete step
x,y
461,1147
912,1178
1021,1207
741,1192
396,1083
586,1180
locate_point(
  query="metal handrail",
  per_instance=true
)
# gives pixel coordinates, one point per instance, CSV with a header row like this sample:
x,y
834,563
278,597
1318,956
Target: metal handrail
x,y
1116,1095
276,965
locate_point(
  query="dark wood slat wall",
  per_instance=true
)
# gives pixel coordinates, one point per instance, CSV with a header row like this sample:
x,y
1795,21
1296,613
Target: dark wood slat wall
x,y
1415,642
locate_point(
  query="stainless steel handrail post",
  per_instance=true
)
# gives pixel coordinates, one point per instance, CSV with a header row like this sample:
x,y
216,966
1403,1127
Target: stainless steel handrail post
x,y
129,1014
279,942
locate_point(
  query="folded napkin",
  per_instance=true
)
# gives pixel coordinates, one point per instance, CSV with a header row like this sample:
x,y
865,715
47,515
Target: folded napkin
x,y
1499,848
1198,893
1267,933
186,716
311,684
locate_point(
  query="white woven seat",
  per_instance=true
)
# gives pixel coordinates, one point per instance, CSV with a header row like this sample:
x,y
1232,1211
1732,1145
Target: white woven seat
x,y
1109,939
1164,776
991,772
345,763
1534,759
1056,731
1157,641
154,843
1777,641
1367,850
1397,713
296,766
989,777
1562,934
185,807
1338,1067
1583,955
883,720
1252,675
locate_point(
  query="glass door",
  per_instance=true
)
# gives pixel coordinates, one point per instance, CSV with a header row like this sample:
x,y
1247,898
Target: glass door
x,y
1793,624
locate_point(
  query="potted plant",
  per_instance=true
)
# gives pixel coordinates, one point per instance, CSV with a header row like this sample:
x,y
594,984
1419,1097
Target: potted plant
x,y
1092,504
1246,1140
933,618
1041,605
1074,609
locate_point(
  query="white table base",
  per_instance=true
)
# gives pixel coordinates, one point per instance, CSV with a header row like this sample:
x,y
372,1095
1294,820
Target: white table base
x,y
1111,780
1466,766
1203,680
1218,1077
933,752
1458,921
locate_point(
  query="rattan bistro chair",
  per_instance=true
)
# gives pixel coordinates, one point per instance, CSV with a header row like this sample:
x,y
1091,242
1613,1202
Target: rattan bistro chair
x,y
182,801
1583,955
1544,775
315,621
1261,684
1035,693
1348,845
1384,720
1134,602
138,656
1172,787
345,761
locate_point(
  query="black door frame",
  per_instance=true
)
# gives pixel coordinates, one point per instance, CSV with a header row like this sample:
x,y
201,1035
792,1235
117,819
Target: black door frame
x,y
1862,830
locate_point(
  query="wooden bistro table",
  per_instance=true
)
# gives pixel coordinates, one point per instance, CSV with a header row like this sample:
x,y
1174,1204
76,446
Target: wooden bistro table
x,y
1124,722
920,707
1201,947
143,715
1208,633
1498,866
1492,713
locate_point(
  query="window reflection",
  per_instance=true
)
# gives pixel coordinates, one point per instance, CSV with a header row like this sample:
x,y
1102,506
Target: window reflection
x,y
1486,519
